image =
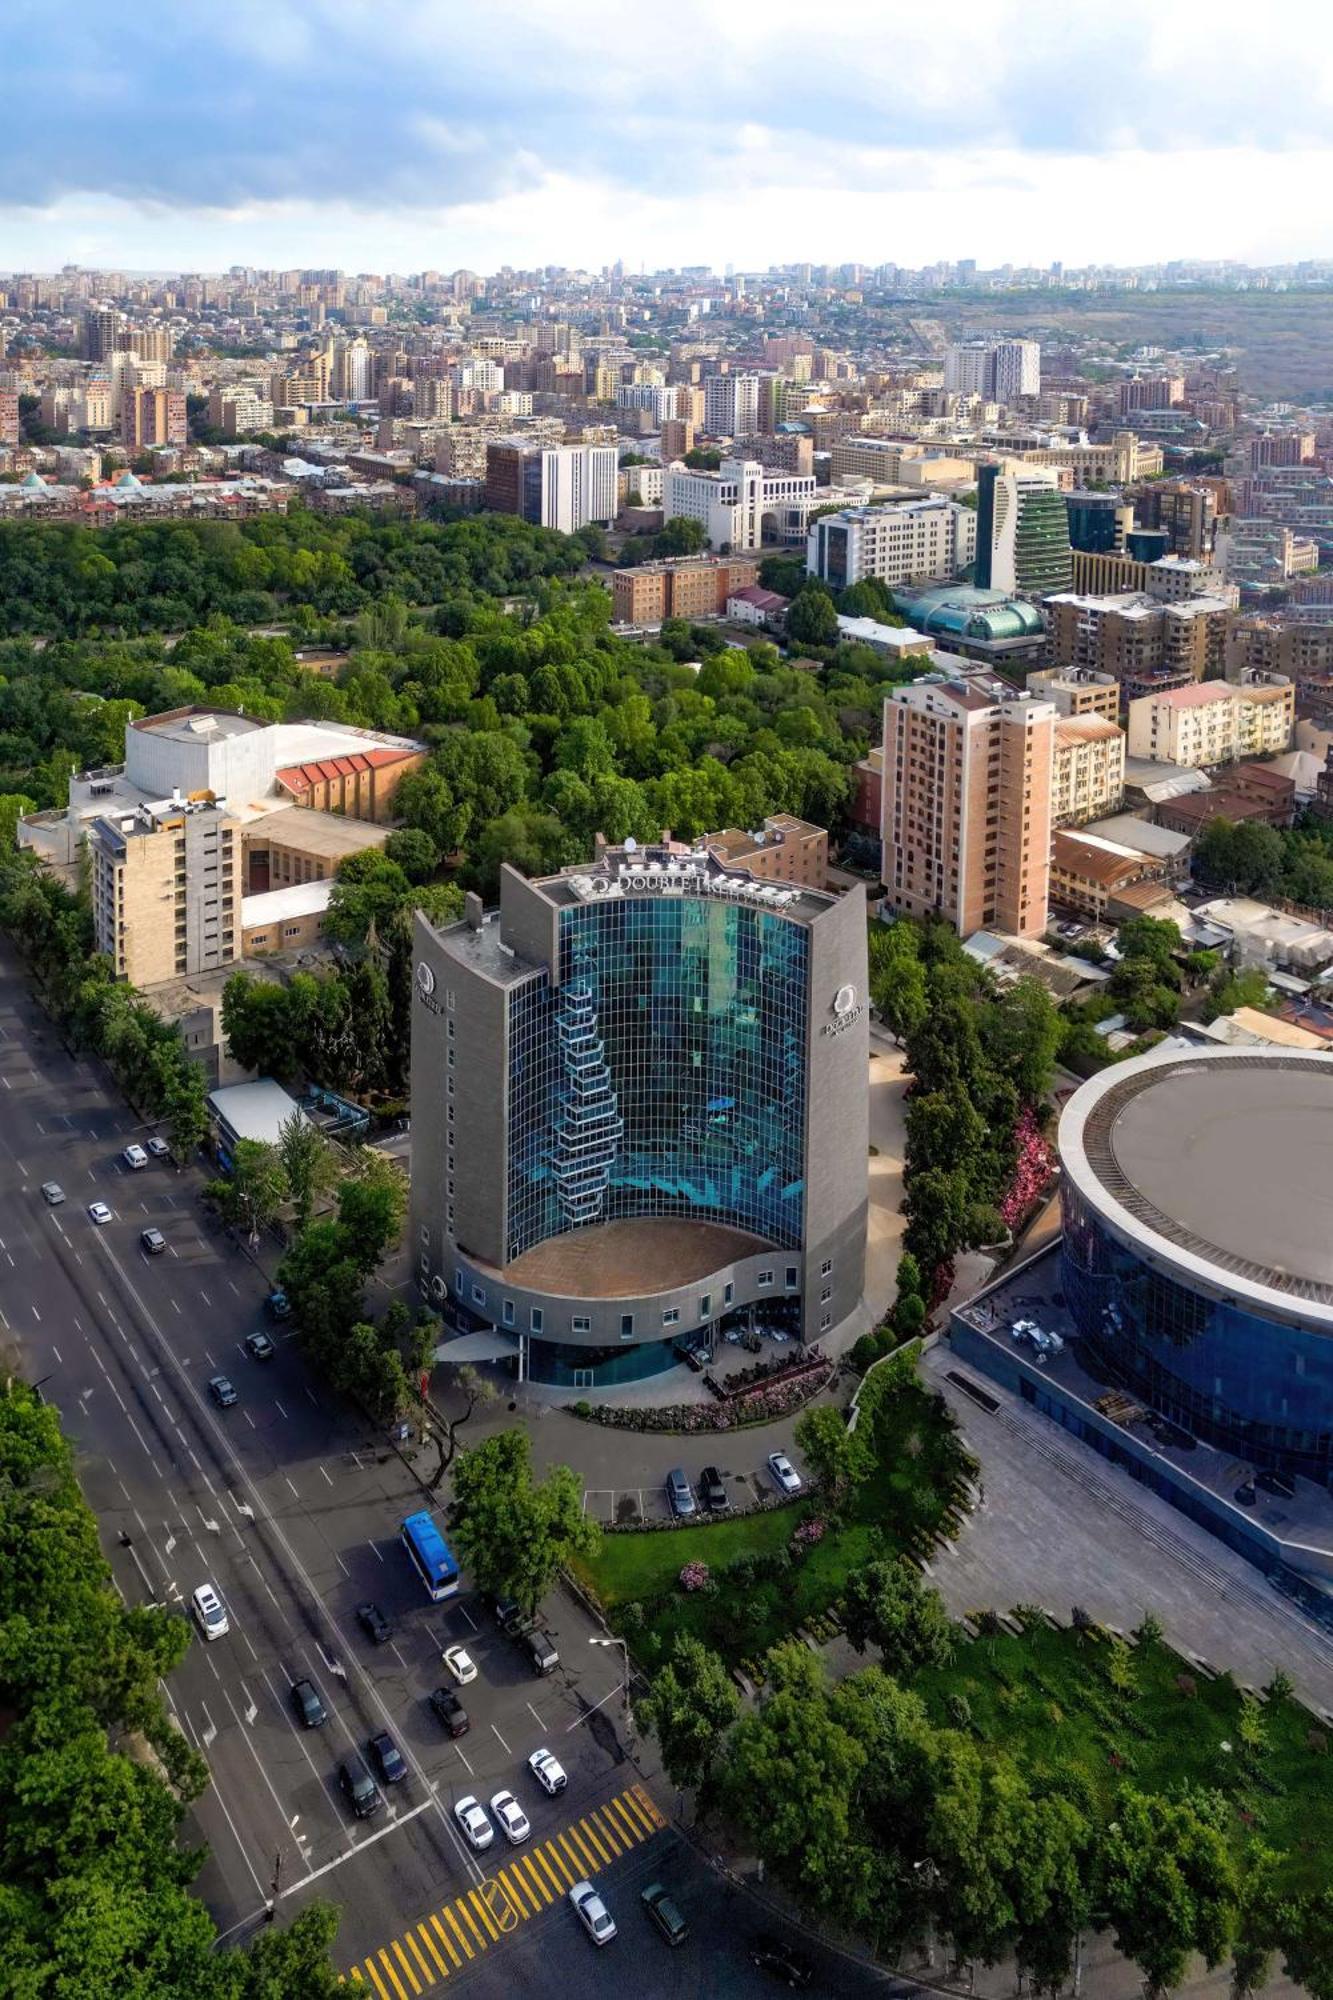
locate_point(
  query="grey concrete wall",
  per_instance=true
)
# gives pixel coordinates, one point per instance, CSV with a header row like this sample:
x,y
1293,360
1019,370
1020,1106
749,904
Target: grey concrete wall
x,y
529,922
484,1292
837,1115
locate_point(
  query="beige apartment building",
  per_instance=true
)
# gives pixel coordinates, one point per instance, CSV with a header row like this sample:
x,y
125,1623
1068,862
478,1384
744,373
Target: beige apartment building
x,y
1087,769
1125,458
1077,690
966,829
164,890
1105,572
688,587
1214,722
785,849
1129,634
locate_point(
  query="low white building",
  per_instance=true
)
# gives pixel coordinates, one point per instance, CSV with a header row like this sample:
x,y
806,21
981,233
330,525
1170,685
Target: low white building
x,y
735,502
929,540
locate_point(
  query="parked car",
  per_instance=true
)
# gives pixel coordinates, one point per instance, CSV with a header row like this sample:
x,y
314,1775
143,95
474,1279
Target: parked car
x,y
99,1212
662,1912
359,1788
210,1614
259,1347
541,1651
510,1616
785,1475
222,1390
548,1772
388,1758
52,1193
158,1149
511,1817
449,1710
460,1664
592,1913
134,1158
374,1624
679,1493
152,1241
310,1710
471,1816
278,1305
713,1490
771,1954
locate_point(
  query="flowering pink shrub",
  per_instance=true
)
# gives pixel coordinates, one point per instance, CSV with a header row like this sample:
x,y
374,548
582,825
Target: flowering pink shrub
x,y
1034,1169
808,1534
695,1576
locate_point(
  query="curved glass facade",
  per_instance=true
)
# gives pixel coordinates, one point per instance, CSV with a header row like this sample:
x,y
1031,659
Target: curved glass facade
x,y
667,1074
1248,1384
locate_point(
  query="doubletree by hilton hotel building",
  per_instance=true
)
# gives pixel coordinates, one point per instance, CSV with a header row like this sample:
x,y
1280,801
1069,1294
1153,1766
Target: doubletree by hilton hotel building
x,y
639,1111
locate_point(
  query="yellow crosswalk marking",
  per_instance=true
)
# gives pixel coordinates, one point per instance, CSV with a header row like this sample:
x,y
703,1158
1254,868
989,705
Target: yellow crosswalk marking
x,y
446,1940
628,1832
416,1952
462,1934
376,1981
476,1897
593,1841
617,1847
551,1861
513,1889
472,1924
632,1811
574,1847
393,1978
431,1947
643,1799
406,1964
532,1872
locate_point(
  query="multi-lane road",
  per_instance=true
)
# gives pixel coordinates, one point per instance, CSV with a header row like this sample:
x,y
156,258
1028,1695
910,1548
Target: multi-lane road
x,y
291,1509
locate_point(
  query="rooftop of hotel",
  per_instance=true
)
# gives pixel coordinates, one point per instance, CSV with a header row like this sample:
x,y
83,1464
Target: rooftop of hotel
x,y
631,1258
672,869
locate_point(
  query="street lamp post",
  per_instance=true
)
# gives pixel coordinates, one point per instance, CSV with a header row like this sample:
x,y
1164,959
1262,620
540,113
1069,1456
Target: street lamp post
x,y
624,1685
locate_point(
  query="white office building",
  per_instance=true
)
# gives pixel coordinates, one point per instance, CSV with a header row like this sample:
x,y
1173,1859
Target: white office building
x,y
734,502
912,541
998,370
662,399
578,486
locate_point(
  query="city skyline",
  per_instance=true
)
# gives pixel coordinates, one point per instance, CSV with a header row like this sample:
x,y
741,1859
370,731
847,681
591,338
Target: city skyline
x,y
192,142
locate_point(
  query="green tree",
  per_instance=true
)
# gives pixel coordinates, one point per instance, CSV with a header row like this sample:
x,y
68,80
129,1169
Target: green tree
x,y
1257,1922
477,1393
250,1195
691,1704
680,536
837,1456
1169,1883
308,1165
515,1533
1306,1929
257,1022
812,619
886,1605
13,806
372,1207
291,1963
412,850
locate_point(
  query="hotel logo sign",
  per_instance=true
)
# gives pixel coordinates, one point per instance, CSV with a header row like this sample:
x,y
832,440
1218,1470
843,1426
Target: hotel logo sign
x,y
847,1010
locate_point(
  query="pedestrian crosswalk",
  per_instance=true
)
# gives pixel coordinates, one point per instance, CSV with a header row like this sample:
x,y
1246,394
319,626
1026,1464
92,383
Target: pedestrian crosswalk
x,y
527,1881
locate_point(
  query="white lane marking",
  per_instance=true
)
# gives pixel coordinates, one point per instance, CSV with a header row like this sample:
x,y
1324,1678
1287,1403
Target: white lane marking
x,y
297,1495
326,1475
174,1306
204,1296
357,1847
235,1288
536,1718
470,1619
500,1740
281,1411
60,1362
36,1315
466,1766
248,1418
378,1552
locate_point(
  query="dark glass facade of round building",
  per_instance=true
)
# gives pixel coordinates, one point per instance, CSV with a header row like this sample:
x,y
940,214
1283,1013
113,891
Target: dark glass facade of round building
x,y
1198,1245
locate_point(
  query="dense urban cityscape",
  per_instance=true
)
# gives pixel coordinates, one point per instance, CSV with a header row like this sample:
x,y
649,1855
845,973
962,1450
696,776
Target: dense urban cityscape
x,y
666,1007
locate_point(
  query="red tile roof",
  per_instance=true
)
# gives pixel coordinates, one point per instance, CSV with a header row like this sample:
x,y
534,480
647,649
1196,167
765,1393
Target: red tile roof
x,y
301,777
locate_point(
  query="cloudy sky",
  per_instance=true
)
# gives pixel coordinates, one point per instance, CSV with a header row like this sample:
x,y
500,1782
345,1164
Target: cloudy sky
x,y
193,134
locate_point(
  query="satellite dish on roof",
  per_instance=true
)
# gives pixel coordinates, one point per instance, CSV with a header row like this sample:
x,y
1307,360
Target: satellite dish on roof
x,y
631,844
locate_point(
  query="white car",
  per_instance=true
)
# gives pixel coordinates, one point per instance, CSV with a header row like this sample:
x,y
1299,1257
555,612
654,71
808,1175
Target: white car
x,y
548,1772
99,1211
592,1912
511,1816
134,1158
785,1475
460,1664
209,1612
471,1816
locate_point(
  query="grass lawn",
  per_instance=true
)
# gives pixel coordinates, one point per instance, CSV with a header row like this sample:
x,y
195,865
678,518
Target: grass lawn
x,y
1046,1698
917,1478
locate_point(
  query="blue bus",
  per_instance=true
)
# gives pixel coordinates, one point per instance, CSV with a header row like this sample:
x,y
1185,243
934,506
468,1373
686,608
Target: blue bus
x,y
430,1556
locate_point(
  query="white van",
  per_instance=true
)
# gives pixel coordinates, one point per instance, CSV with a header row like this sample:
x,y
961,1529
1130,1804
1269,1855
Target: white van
x,y
134,1158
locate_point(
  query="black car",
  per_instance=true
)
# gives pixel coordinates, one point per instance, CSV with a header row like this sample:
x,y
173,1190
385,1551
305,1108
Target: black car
x,y
712,1490
374,1624
310,1710
359,1788
663,1913
450,1711
541,1651
259,1347
770,1954
388,1758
